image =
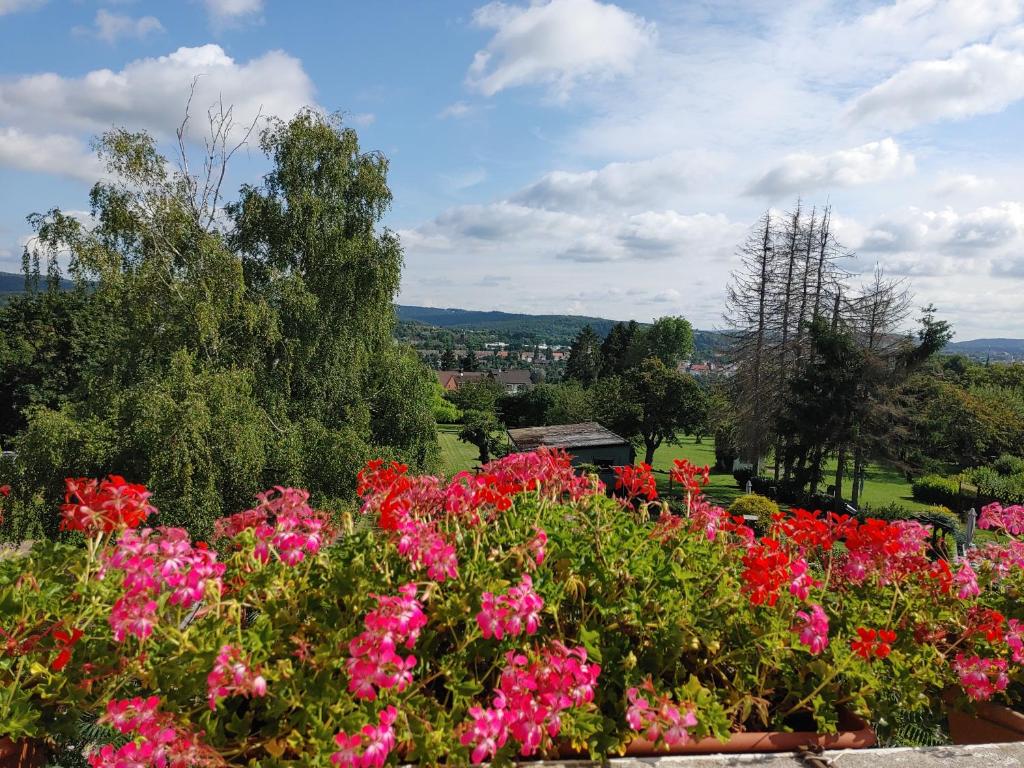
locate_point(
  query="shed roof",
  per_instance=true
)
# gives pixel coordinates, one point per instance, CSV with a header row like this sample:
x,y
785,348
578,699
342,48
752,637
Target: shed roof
x,y
567,436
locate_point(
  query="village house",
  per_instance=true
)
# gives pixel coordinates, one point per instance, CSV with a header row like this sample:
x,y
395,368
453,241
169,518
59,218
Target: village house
x,y
513,381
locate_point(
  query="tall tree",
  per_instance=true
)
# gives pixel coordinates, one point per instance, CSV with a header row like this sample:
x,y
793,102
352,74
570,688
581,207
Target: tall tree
x,y
584,363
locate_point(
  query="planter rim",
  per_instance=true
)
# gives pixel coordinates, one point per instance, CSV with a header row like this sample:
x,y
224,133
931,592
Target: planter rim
x,y
854,733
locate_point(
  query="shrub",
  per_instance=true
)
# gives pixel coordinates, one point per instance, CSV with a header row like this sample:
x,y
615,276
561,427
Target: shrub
x,y
993,486
935,489
1009,465
761,507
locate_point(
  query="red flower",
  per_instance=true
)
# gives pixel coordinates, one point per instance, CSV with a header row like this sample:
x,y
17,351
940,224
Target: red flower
x,y
636,481
104,505
5,490
690,475
767,570
873,643
66,642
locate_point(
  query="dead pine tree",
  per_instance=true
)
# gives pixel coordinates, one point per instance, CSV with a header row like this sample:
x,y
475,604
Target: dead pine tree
x,y
748,304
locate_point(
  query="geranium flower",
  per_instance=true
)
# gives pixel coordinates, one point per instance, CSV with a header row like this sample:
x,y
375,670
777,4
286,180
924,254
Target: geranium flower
x,y
105,505
873,643
636,481
813,629
981,678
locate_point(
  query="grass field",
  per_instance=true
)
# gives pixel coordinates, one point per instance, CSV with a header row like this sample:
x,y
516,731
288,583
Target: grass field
x,y
882,485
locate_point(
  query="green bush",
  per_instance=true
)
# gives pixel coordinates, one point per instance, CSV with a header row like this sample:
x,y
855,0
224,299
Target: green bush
x,y
1009,465
755,504
993,486
935,489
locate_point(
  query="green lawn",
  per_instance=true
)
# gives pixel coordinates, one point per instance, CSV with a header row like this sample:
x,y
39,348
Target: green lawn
x,y
881,486
456,455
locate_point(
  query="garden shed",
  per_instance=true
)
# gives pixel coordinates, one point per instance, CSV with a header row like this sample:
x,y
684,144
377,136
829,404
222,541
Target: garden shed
x,y
587,443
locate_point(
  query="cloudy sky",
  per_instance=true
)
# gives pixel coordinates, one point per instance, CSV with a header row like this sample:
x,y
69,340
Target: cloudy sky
x,y
574,155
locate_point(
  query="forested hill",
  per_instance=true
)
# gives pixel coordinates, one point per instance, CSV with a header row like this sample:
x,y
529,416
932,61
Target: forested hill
x,y
991,349
14,282
546,326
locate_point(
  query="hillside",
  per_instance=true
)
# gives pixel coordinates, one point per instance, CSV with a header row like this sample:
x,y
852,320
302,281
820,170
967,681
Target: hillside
x,y
13,283
541,326
990,349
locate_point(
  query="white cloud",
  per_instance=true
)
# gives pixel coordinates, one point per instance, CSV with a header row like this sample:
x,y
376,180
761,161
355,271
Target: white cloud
x,y
48,153
556,43
978,79
642,184
918,241
226,11
953,184
151,92
866,164
14,6
111,27
456,110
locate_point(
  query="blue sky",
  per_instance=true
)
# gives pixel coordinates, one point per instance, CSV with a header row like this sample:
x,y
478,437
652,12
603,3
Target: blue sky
x,y
576,155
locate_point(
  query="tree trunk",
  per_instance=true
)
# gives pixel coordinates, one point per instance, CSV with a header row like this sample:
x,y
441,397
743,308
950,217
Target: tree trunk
x,y
649,455
858,468
840,464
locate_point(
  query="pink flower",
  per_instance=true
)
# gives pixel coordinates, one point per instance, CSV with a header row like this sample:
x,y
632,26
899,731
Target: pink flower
x,y
802,582
297,530
1009,519
232,676
981,678
966,582
510,613
154,562
664,721
487,734
538,544
814,629
1015,640
370,747
159,741
373,662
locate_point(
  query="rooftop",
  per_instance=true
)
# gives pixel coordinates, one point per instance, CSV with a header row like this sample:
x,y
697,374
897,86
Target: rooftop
x,y
564,436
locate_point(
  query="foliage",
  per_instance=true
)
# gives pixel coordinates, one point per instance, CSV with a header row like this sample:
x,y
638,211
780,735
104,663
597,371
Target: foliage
x,y
584,362
481,395
483,618
934,489
479,428
213,349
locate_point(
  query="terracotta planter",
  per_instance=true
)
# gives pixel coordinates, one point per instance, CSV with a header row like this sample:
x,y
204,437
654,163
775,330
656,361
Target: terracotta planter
x,y
854,733
990,724
23,753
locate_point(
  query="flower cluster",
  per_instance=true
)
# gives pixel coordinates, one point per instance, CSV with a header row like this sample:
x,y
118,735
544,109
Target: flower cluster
x,y
890,551
707,517
530,698
966,582
374,662
370,747
538,545
690,476
663,721
813,629
813,531
105,505
981,678
66,641
511,613
767,569
154,562
283,521
159,742
997,517
635,481
232,676
873,643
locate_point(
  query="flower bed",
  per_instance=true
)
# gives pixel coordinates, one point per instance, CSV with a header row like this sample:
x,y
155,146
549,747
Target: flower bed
x,y
498,616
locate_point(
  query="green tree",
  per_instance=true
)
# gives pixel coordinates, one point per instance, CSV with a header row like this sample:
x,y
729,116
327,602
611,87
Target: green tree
x,y
651,403
480,428
621,348
212,361
670,339
448,360
584,363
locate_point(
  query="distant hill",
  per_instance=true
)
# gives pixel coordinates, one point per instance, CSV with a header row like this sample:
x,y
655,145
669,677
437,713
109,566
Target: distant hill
x,y
993,349
541,326
12,283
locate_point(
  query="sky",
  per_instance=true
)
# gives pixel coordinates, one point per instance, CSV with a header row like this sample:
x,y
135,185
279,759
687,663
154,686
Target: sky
x,y
574,155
